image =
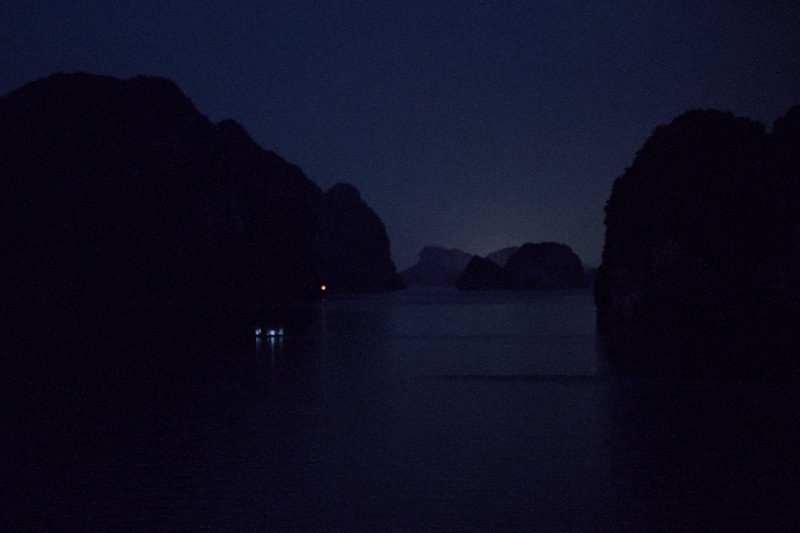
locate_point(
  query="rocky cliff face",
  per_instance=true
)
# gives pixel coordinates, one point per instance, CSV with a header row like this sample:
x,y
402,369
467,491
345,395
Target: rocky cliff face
x,y
543,266
437,267
481,273
702,242
119,193
353,248
502,256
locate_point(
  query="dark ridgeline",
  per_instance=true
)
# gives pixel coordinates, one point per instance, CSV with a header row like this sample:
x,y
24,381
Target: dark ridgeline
x,y
352,245
437,267
543,266
119,194
540,266
591,275
701,265
481,273
502,256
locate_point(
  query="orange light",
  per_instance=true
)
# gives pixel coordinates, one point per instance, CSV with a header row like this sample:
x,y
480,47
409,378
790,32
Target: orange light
x,y
323,288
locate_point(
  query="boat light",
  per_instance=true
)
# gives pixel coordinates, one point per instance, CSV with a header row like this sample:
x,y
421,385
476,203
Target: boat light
x,y
269,332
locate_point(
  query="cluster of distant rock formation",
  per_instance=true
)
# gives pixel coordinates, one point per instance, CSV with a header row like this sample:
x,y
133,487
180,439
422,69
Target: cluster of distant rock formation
x,y
119,192
542,266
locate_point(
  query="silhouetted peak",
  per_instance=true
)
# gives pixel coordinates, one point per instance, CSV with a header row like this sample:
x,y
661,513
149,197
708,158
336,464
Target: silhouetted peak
x,y
480,274
788,124
150,89
698,129
544,265
352,245
439,254
680,165
233,129
81,104
60,80
543,253
437,267
234,134
344,192
701,243
157,86
502,256
710,117
240,148
147,199
57,88
543,247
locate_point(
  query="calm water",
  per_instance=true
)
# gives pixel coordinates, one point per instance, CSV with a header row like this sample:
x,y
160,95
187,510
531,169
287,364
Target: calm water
x,y
409,411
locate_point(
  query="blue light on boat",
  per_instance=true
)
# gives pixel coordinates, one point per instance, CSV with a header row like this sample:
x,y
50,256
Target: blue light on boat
x,y
269,332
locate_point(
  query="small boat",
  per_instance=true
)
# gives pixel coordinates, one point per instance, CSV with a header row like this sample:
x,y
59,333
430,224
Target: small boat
x,y
265,332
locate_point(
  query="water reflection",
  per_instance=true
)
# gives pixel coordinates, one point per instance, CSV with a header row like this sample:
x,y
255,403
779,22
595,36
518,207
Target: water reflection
x,y
389,412
698,433
732,355
710,455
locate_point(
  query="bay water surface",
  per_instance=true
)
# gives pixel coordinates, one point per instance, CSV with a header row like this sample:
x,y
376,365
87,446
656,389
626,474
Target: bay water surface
x,y
415,410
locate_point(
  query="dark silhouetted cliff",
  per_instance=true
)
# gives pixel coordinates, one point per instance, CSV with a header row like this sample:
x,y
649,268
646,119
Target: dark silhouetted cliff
x,y
437,267
702,245
353,247
502,256
591,276
543,266
480,274
119,194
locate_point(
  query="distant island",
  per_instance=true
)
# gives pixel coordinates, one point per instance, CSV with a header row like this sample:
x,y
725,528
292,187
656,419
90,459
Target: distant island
x,y
541,266
352,248
120,194
437,267
702,250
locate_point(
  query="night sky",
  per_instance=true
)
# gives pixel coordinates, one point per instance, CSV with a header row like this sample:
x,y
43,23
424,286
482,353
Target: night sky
x,y
465,124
